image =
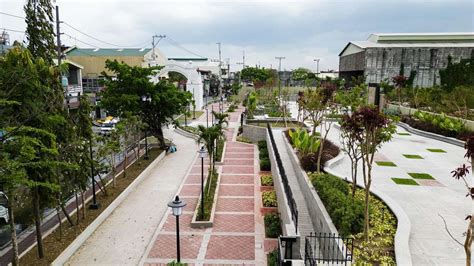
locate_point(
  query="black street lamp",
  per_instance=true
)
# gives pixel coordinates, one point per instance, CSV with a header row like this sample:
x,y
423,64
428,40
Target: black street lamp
x,y
177,206
94,205
207,116
146,99
202,155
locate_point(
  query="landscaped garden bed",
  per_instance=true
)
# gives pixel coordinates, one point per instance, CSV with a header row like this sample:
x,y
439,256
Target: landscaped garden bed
x,y
437,123
272,225
269,202
266,181
263,156
210,194
55,245
347,214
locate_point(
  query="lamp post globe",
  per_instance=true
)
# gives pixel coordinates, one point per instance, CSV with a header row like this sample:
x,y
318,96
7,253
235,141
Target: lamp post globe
x,y
177,207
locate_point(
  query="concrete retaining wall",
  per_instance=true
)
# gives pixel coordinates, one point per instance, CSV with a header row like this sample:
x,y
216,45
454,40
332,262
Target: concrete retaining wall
x,y
283,206
79,241
430,135
254,133
469,124
321,220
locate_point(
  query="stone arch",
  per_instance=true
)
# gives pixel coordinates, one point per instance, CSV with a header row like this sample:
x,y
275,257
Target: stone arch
x,y
194,82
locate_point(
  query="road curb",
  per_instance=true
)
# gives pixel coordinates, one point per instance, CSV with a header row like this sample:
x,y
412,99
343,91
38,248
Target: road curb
x,y
430,135
79,241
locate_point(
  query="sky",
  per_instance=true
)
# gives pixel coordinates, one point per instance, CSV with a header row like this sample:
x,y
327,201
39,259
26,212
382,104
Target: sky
x,y
299,30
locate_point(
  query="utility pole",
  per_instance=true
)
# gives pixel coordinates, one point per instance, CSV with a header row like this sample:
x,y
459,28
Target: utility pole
x,y
153,55
279,78
58,36
220,76
243,59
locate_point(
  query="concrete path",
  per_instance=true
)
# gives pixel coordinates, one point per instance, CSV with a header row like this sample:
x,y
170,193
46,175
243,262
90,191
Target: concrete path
x,y
237,236
430,243
123,237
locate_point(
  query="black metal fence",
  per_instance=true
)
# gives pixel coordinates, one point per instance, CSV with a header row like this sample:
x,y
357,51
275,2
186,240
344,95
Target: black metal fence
x,y
284,178
327,248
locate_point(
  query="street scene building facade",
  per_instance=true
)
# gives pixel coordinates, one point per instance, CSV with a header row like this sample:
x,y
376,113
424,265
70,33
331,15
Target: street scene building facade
x,y
421,55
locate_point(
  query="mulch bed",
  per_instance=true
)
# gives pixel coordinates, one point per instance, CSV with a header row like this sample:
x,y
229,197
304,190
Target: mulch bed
x,y
54,245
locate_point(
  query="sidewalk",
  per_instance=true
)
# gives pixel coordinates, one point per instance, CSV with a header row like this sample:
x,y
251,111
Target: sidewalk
x,y
429,243
237,236
123,237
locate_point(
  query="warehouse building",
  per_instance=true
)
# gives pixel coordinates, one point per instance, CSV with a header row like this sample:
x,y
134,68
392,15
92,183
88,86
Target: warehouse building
x,y
420,55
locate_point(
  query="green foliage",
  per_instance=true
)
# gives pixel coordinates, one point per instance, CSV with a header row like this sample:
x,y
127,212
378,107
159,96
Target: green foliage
x,y
272,258
404,181
244,139
266,180
353,98
269,199
442,121
304,142
346,213
128,84
262,144
420,175
174,263
265,165
40,30
412,156
251,104
458,74
256,74
209,191
272,225
382,163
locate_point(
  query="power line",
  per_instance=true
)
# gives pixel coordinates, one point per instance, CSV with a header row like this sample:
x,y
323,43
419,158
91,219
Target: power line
x,y
99,40
11,15
175,43
13,30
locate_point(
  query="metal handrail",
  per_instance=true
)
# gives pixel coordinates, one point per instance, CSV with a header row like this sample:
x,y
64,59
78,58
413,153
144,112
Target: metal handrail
x,y
284,178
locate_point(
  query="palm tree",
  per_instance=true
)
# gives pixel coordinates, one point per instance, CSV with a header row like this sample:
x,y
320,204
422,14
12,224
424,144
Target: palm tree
x,y
209,136
221,119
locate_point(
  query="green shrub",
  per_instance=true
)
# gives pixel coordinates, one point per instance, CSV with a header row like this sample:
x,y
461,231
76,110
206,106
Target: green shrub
x,y
263,154
262,144
441,120
269,199
174,263
266,180
272,258
243,139
346,213
265,165
272,225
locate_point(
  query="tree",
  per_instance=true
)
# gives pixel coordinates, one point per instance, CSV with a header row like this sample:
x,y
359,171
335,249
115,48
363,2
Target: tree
x,y
376,129
304,74
33,83
399,82
221,119
457,74
351,140
461,173
314,106
328,103
126,129
39,29
130,83
108,149
209,136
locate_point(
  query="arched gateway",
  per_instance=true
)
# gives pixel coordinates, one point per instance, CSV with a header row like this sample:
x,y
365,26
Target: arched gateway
x,y
194,80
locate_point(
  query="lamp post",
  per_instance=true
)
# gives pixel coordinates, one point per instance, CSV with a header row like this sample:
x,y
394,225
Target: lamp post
x,y
207,116
317,66
177,206
146,99
94,205
202,155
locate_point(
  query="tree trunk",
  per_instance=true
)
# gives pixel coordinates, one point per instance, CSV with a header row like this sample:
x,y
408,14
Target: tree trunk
x,y
83,205
58,214
11,222
354,177
366,207
77,208
63,208
320,154
125,161
468,241
160,136
37,217
113,168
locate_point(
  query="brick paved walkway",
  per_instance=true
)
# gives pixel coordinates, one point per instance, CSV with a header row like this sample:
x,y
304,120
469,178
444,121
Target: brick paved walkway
x,y
237,236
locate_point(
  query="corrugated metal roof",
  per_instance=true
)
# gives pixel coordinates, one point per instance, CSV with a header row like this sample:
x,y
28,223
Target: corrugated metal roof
x,y
108,52
369,44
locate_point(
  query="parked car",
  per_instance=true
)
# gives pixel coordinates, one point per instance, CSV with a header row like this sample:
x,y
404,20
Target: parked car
x,y
106,128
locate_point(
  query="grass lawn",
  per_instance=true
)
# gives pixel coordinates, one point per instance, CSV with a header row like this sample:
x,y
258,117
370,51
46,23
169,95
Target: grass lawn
x,y
381,163
421,176
437,150
403,134
190,116
405,181
412,156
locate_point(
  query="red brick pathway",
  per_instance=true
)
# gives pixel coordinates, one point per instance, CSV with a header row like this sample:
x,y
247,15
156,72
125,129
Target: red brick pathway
x,y
237,235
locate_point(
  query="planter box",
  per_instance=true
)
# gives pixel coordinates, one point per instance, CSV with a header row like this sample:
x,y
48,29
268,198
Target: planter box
x,y
207,224
266,188
267,210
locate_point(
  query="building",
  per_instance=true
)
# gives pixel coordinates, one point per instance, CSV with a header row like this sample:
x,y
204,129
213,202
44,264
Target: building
x,y
72,83
421,55
93,61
